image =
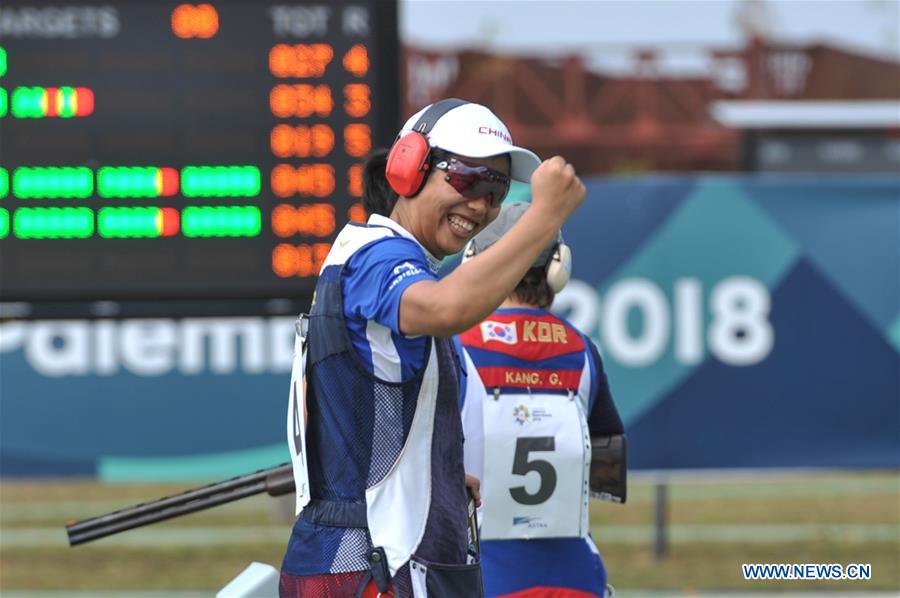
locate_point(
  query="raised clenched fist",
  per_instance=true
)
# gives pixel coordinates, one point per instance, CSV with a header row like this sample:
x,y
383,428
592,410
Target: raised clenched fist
x,y
556,188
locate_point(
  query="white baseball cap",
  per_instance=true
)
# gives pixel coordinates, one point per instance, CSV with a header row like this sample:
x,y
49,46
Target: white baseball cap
x,y
472,130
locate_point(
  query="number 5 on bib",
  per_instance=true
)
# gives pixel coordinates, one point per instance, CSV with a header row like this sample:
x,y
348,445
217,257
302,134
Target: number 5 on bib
x,y
535,471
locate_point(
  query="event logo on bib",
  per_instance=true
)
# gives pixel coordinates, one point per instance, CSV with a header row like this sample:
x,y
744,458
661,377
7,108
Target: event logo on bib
x,y
499,331
521,415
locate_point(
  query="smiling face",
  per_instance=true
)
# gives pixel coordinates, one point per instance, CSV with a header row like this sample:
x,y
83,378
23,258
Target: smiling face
x,y
440,218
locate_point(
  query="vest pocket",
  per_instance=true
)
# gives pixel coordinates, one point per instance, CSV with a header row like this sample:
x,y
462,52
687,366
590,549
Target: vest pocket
x,y
439,580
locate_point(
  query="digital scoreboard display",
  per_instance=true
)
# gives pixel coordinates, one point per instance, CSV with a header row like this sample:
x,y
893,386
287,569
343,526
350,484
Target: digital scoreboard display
x,y
185,151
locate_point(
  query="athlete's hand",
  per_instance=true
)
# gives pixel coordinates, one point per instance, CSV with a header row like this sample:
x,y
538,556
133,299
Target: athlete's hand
x,y
556,188
473,485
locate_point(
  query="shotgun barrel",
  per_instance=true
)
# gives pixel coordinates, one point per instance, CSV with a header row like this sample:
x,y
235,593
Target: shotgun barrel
x,y
275,481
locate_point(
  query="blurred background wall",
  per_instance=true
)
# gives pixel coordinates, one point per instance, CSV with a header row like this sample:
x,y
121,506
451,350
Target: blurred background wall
x,y
753,305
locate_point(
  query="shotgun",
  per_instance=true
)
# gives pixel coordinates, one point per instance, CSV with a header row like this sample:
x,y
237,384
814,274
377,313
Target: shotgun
x,y
275,481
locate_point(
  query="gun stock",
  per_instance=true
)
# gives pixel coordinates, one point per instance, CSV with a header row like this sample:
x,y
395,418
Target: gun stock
x,y
275,481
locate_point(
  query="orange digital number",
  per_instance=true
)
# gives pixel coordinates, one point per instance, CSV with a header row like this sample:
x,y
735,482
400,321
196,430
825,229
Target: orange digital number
x,y
314,58
305,266
354,180
282,141
320,254
357,213
357,140
302,141
284,260
281,60
300,260
302,60
309,179
301,100
321,140
315,220
195,21
356,60
281,101
356,99
313,99
283,220
321,178
284,180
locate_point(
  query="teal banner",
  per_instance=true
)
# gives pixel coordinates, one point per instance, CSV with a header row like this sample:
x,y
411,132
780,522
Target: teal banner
x,y
744,322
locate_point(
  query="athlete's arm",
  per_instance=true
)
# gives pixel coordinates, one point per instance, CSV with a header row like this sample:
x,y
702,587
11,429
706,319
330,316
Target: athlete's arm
x,y
604,418
474,289
608,476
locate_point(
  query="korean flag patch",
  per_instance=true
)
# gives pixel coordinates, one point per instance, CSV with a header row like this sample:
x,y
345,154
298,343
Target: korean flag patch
x,y
499,331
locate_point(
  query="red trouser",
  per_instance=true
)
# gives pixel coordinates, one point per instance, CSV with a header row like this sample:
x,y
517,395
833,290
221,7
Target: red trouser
x,y
331,585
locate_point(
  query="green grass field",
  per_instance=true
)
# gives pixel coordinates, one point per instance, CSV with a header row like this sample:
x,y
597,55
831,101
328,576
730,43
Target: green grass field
x,y
714,525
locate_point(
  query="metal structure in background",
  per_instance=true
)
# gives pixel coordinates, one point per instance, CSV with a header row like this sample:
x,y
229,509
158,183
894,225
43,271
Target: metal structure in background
x,y
646,119
815,136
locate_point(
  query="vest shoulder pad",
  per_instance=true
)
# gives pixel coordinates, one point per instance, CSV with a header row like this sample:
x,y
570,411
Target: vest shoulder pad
x,y
351,239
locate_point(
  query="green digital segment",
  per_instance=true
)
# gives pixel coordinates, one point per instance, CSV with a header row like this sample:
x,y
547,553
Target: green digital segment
x,y
137,222
133,181
4,223
2,61
3,103
4,182
41,102
221,221
27,102
136,181
126,223
53,182
220,181
53,223
67,102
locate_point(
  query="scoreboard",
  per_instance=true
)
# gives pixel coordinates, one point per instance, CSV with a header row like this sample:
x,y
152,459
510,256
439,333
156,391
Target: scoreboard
x,y
173,151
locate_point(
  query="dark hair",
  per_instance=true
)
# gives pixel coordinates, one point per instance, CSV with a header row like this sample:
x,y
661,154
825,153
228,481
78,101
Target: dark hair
x,y
378,197
533,289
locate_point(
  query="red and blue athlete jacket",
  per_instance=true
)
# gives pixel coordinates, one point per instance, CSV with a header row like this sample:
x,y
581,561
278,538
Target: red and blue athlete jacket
x,y
528,430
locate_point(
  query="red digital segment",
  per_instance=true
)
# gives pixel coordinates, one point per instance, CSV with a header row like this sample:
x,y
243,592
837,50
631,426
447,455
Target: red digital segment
x,y
170,222
168,181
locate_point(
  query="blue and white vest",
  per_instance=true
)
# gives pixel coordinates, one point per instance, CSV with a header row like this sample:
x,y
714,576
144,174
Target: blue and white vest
x,y
384,460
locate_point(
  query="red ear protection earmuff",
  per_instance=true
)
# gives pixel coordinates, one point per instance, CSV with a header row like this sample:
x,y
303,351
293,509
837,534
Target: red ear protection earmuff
x,y
408,164
409,161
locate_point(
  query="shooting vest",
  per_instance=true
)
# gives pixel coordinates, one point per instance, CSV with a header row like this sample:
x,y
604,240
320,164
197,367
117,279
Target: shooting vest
x,y
377,455
537,448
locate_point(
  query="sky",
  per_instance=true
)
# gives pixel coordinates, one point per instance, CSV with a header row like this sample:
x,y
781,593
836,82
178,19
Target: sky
x,y
606,29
